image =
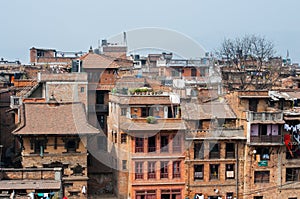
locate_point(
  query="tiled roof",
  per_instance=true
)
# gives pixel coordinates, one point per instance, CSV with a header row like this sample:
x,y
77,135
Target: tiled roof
x,y
211,110
29,184
62,118
99,61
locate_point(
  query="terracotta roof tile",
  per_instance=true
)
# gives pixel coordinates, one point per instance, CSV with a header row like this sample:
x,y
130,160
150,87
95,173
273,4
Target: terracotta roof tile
x,y
98,61
47,118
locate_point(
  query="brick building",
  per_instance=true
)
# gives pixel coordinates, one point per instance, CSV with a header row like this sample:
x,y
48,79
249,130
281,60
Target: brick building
x,y
147,135
214,159
40,56
270,163
53,134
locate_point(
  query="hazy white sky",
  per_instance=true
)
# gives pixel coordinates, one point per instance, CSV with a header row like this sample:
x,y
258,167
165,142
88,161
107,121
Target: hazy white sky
x,y
73,25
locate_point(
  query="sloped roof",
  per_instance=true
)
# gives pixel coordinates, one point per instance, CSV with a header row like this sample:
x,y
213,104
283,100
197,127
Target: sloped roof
x,y
100,61
54,119
210,110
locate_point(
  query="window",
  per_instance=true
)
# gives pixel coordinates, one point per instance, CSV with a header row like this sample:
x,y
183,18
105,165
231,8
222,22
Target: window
x,y
292,174
253,105
124,164
102,143
176,72
151,170
198,150
263,152
116,137
139,170
40,53
164,170
139,145
144,112
71,144
230,150
151,144
214,171
123,111
164,141
123,138
176,169
176,143
229,195
214,152
171,194
38,145
229,171
78,170
203,72
193,72
81,89
198,172
258,197
150,194
261,176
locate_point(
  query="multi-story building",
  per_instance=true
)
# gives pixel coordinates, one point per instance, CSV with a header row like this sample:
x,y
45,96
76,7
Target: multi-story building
x,y
146,133
52,57
269,158
53,134
214,160
103,72
53,128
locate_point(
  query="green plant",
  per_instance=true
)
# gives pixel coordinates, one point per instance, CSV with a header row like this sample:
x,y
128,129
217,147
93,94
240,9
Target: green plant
x,y
151,120
143,89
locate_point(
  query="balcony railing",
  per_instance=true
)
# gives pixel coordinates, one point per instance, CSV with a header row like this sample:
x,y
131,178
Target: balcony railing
x,y
151,149
219,133
98,108
264,116
266,139
164,175
214,155
151,175
139,176
139,149
230,155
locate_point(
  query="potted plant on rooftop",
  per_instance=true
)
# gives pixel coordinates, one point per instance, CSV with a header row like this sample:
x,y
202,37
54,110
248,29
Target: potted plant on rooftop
x,y
151,120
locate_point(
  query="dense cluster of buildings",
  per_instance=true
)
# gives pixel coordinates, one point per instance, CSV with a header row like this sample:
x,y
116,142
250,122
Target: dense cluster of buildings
x,y
89,125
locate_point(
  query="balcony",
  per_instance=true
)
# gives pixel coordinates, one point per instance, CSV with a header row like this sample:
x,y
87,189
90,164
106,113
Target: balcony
x,y
261,117
218,133
266,139
98,108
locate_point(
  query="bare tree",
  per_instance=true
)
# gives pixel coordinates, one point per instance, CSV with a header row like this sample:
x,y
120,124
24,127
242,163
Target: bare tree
x,y
246,62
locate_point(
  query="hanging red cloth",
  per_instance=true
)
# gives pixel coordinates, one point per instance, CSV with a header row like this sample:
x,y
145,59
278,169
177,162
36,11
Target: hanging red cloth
x,y
288,143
